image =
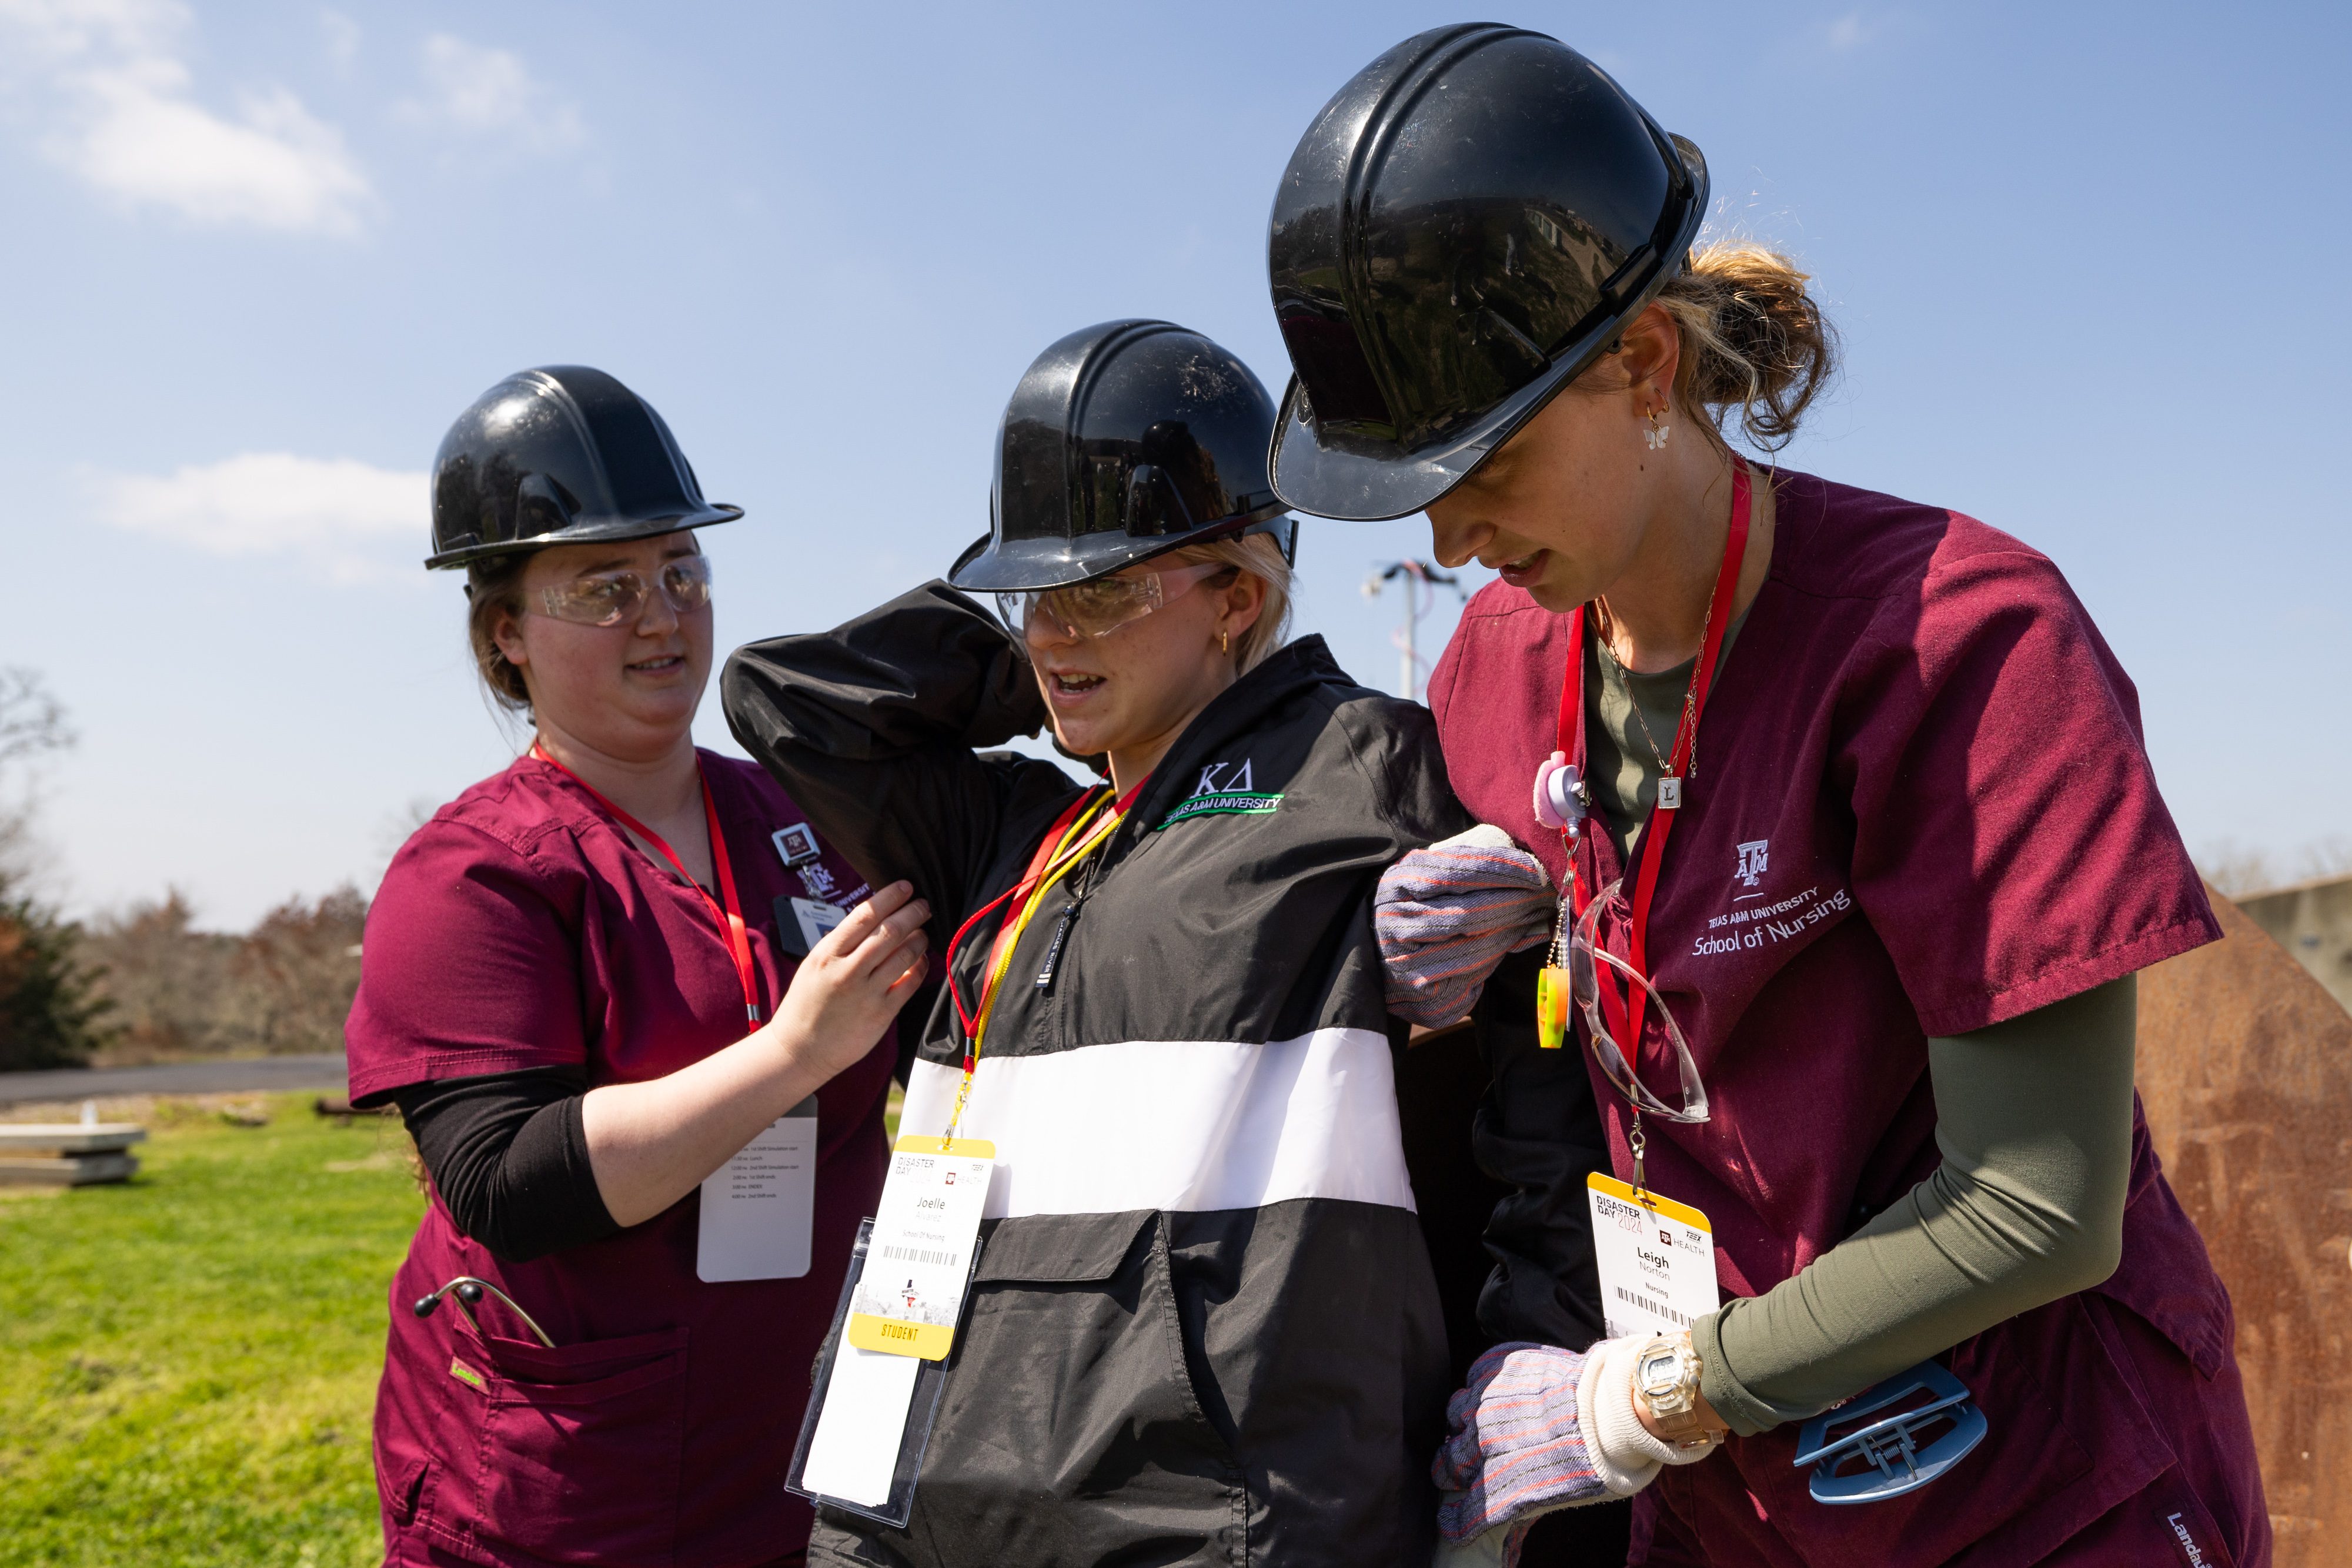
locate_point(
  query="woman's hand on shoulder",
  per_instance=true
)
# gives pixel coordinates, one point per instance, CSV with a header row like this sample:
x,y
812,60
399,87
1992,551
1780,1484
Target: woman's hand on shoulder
x,y
854,980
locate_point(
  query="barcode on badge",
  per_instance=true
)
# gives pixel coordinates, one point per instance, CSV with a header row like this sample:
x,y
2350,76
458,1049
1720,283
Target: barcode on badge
x,y
928,1255
1646,1305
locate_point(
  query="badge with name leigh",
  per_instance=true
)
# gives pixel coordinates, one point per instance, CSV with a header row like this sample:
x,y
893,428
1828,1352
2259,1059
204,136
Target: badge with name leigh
x,y
1657,1259
919,1258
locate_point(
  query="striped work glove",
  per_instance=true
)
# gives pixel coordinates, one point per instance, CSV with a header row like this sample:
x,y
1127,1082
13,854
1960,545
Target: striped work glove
x,y
1445,915
1539,1428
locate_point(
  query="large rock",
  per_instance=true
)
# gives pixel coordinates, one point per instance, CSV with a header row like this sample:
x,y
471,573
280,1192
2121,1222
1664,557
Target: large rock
x,y
2245,1065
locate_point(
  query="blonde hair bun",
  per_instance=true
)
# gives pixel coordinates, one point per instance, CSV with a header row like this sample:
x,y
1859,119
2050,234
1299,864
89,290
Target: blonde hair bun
x,y
1754,340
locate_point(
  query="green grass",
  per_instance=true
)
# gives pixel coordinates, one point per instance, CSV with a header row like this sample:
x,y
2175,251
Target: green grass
x,y
188,1361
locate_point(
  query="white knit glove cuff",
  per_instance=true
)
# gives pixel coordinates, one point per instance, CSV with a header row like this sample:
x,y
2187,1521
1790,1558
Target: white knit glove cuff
x,y
1624,1456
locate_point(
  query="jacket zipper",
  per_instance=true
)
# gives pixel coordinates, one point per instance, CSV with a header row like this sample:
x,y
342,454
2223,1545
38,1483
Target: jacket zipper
x,y
1087,879
1053,948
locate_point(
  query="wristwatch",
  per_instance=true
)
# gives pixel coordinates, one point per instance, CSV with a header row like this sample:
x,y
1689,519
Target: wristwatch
x,y
1665,1380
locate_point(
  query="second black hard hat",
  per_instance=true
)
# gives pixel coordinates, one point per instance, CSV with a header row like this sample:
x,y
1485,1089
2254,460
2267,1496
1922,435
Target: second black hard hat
x,y
1466,227
564,455
1123,441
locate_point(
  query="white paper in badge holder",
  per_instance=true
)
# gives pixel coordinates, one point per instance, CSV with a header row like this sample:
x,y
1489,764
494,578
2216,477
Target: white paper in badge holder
x,y
759,1209
816,918
853,1453
1657,1259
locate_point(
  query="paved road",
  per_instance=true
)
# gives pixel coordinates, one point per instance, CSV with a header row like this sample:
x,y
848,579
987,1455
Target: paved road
x,y
322,1072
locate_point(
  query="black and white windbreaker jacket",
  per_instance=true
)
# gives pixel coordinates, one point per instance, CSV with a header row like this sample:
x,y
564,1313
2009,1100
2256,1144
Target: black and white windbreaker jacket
x,y
1204,1329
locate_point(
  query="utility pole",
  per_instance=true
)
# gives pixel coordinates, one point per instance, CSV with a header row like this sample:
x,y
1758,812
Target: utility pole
x,y
1421,581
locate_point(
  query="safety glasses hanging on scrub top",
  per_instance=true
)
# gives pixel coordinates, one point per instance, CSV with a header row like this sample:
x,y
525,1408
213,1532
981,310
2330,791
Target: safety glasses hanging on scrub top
x,y
1100,606
1575,953
617,598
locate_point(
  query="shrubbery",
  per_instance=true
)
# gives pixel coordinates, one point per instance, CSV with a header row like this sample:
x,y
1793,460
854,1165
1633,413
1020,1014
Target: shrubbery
x,y
283,987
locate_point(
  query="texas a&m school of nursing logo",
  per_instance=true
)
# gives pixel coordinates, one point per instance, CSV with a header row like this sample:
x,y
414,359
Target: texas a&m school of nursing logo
x,y
1754,856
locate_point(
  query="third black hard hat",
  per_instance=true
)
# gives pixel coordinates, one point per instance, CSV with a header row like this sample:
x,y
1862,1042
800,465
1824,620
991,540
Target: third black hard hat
x,y
559,456
1466,227
1123,441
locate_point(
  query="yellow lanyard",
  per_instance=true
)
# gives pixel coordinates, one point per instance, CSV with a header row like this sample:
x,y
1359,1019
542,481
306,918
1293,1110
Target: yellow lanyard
x,y
1090,832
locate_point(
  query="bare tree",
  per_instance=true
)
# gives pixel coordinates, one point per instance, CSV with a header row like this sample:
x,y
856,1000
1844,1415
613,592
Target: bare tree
x,y
294,975
2236,869
2241,871
32,721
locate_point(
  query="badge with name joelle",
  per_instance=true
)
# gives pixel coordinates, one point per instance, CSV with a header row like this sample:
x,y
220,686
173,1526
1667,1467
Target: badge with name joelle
x,y
919,1258
1657,1259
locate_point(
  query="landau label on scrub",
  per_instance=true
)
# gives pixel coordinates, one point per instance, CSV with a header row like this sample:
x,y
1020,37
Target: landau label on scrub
x,y
1657,1259
918,1259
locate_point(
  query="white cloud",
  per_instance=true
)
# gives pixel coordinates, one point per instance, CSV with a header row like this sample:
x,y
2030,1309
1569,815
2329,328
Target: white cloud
x,y
473,91
348,518
343,38
110,77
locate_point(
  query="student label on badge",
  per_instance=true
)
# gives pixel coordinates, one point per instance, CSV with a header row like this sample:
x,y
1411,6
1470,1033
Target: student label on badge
x,y
1656,1257
919,1258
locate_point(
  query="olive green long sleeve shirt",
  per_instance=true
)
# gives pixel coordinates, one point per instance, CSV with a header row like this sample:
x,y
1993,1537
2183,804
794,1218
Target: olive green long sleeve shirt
x,y
2033,1118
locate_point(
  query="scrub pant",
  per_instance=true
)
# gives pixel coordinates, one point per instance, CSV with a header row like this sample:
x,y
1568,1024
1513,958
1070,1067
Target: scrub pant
x,y
2206,1510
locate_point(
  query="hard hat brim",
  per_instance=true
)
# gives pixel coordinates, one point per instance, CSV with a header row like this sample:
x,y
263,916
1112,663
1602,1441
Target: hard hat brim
x,y
1018,566
593,531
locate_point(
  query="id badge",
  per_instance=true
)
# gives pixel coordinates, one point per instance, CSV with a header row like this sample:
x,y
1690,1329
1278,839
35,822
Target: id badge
x,y
1657,1259
759,1209
816,917
869,1420
925,1229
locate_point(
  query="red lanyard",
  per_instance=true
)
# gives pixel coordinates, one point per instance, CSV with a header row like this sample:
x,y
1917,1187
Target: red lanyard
x,y
1624,1014
730,919
1045,867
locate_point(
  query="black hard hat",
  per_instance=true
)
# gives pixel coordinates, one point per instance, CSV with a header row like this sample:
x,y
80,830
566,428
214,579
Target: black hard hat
x,y
1468,225
1123,441
559,456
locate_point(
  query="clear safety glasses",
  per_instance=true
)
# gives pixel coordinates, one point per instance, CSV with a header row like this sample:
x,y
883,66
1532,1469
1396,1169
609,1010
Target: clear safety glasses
x,y
1102,605
615,597
1584,957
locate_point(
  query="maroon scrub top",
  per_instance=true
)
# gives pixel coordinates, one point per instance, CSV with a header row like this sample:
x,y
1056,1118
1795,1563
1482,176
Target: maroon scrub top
x,y
521,928
1921,806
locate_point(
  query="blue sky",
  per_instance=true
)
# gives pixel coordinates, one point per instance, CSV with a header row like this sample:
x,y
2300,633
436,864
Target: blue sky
x,y
2089,262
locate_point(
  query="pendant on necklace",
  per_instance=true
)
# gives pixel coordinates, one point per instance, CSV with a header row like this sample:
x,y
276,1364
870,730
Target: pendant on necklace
x,y
1670,793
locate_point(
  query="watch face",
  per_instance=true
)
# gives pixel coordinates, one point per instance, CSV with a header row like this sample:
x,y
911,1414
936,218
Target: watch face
x,y
1658,1373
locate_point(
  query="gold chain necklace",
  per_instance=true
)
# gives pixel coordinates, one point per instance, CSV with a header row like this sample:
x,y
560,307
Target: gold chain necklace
x,y
1670,786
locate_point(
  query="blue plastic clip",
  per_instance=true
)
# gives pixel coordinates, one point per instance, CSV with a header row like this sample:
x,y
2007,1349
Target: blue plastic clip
x,y
1886,1458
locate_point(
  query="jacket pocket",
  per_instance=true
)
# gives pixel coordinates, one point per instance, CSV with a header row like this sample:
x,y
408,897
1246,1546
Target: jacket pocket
x,y
1068,1430
579,1452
